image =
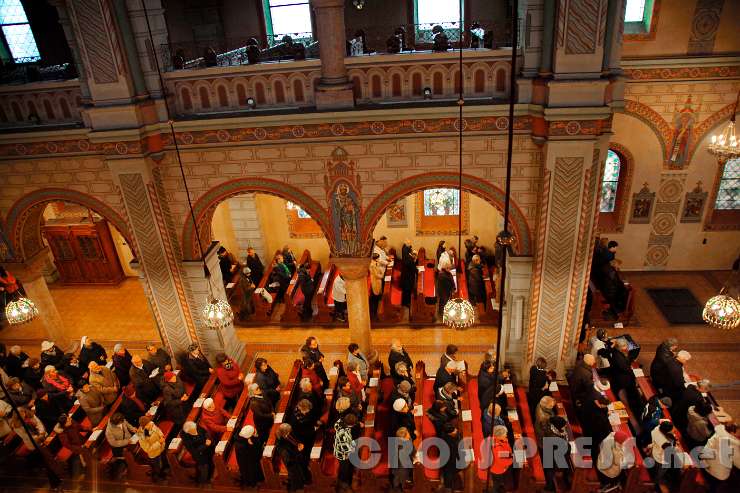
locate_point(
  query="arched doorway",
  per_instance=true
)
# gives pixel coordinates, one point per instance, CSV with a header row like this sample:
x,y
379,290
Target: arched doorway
x,y
87,253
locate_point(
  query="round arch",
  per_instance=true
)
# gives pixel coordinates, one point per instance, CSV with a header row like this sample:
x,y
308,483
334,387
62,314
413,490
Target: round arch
x,y
23,222
206,205
488,192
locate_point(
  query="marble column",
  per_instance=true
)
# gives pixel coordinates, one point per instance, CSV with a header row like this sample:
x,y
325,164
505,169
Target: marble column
x,y
31,275
355,272
334,89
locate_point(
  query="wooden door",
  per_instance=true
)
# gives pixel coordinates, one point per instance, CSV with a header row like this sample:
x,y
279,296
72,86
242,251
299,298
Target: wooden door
x,y
61,242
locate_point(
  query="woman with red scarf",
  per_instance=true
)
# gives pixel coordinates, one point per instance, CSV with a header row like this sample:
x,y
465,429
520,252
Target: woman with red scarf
x,y
59,388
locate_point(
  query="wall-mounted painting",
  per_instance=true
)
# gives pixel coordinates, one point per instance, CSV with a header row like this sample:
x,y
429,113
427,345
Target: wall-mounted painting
x,y
642,206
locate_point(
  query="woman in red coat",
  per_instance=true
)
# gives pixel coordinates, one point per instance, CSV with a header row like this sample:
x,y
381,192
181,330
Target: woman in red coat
x,y
309,371
502,458
213,420
355,380
230,378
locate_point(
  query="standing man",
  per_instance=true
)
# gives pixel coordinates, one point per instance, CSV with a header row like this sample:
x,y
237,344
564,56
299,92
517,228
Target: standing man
x,y
377,274
257,269
445,286
379,248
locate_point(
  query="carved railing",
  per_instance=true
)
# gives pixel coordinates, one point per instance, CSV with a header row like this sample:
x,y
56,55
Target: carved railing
x,y
376,78
40,104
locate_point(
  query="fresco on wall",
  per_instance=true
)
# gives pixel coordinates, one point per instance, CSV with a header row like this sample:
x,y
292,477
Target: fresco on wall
x,y
396,215
342,185
683,123
693,207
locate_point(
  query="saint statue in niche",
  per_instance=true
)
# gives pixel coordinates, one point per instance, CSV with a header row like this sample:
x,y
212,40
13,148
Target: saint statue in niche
x,y
683,123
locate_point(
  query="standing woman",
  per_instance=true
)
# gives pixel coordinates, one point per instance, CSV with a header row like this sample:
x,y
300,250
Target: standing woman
x,y
440,250
268,380
151,441
312,351
289,450
408,277
230,377
539,382
196,366
248,455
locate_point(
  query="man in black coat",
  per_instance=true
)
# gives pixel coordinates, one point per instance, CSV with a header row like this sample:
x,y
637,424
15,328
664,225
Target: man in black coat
x,y
197,367
450,476
445,287
408,273
121,364
92,351
196,441
307,287
311,351
402,417
146,387
446,374
248,455
623,381
691,396
159,358
582,383
664,355
257,270
476,284
14,362
174,398
268,380
262,410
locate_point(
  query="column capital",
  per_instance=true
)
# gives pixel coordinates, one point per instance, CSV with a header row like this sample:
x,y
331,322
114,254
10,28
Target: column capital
x,y
352,268
32,268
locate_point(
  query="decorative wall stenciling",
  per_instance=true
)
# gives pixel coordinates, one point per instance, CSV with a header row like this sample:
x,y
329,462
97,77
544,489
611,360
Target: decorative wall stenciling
x,y
664,220
642,206
704,26
683,122
96,43
693,206
585,22
342,186
396,215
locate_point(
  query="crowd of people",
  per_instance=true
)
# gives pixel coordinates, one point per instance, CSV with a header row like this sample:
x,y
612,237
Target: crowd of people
x,y
248,275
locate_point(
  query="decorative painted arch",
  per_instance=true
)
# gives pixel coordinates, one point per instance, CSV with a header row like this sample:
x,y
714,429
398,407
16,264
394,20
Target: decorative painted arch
x,y
207,203
652,119
487,191
702,130
23,222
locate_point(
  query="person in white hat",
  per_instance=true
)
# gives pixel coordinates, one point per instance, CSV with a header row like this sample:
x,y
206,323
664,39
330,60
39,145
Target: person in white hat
x,y
91,351
213,419
248,455
402,417
51,354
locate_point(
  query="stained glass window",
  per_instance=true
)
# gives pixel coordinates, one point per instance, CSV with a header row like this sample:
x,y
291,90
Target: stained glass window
x,y
610,182
441,202
430,13
728,194
291,17
634,11
17,32
301,213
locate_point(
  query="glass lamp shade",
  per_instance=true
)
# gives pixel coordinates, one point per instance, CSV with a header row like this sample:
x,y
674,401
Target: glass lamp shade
x,y
722,311
217,314
458,313
725,145
20,311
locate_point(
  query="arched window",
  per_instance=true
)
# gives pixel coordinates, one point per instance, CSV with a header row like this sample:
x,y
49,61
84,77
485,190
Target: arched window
x,y
638,16
300,223
441,202
610,182
287,17
429,13
299,211
728,191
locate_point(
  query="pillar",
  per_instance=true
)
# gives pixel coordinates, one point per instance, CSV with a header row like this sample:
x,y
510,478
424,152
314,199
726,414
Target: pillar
x,y
355,272
31,275
212,341
334,90
69,34
566,226
517,304
176,304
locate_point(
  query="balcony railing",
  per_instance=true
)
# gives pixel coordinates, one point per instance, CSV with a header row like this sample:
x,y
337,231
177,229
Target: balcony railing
x,y
379,78
40,104
22,73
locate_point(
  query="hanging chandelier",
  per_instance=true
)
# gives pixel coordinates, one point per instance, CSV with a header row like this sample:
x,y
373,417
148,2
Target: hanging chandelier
x,y
217,313
20,311
722,311
458,313
724,145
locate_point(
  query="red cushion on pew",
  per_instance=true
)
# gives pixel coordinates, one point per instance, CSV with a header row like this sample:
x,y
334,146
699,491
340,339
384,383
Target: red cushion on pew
x,y
187,459
477,425
329,465
63,455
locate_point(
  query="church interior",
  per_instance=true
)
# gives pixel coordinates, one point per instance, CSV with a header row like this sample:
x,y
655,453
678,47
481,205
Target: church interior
x,y
512,227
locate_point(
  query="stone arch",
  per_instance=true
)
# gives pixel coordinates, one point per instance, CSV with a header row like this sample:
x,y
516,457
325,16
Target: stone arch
x,y
483,189
653,120
23,222
206,205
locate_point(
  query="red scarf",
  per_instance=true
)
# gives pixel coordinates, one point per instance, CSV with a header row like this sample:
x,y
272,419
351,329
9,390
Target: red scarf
x,y
59,383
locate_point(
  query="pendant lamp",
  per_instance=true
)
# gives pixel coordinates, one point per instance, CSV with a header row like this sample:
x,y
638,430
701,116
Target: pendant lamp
x,y
20,310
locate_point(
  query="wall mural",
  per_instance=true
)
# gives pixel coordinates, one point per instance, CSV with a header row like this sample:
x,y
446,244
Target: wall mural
x,y
343,196
642,205
693,206
683,123
396,215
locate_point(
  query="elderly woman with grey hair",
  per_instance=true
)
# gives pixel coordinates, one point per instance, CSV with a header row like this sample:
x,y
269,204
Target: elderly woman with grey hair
x,y
262,410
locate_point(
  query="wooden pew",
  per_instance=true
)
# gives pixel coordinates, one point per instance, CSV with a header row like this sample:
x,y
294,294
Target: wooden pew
x,y
324,300
287,396
426,298
262,307
489,312
532,475
224,458
367,477
96,444
465,425
419,410
291,312
136,459
178,458
431,473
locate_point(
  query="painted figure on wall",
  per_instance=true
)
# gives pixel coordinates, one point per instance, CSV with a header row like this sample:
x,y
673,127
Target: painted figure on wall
x,y
346,219
682,126
397,214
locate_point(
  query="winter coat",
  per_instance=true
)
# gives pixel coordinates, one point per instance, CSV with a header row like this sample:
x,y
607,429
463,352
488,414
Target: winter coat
x,y
121,367
197,368
106,383
214,422
502,455
53,357
377,274
95,353
698,427
196,445
93,404
262,411
581,383
23,395
476,284
362,364
395,357
172,393
612,457
721,453
248,455
151,441
231,385
160,359
119,435
146,387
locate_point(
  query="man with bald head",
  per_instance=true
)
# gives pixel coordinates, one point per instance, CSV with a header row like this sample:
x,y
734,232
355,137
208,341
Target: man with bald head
x,y
140,373
581,383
